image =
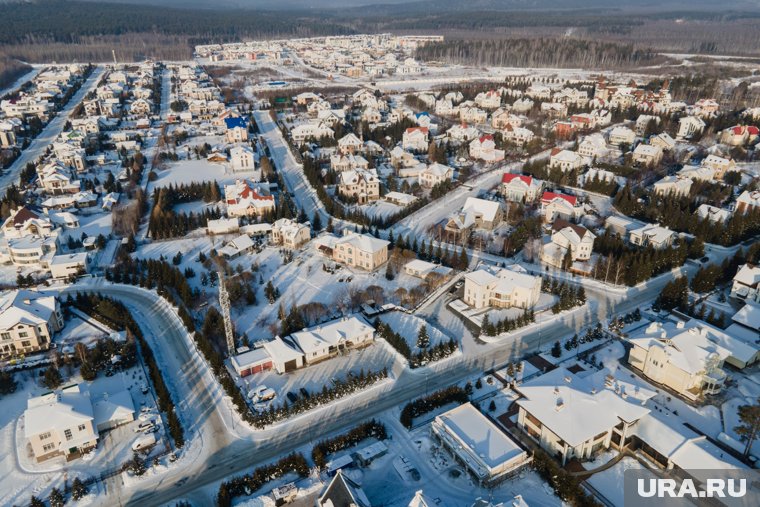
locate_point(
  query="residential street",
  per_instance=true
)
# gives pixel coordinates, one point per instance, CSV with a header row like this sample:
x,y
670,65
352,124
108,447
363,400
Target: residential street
x,y
49,133
219,446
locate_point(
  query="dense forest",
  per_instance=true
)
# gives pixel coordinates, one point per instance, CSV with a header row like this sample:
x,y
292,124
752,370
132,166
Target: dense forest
x,y
540,52
10,70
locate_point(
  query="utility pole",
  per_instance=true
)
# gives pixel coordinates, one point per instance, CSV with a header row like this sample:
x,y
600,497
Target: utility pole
x,y
224,302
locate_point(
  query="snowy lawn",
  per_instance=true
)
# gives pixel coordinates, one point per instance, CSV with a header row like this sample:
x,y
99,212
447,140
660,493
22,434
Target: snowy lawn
x,y
610,482
409,326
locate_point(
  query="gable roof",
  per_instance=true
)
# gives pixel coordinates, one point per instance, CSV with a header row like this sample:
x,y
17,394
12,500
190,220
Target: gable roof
x,y
510,177
343,492
548,197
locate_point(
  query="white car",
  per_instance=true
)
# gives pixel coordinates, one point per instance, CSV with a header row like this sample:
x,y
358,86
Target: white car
x,y
144,442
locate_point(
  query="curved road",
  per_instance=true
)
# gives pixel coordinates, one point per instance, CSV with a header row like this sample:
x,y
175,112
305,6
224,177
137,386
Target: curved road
x,y
216,451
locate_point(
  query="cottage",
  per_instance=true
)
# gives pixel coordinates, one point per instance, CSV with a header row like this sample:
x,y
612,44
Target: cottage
x,y
243,198
690,126
476,442
360,251
555,205
568,241
434,174
746,283
620,136
520,188
290,234
684,360
652,235
484,148
242,159
236,129
28,321
415,139
577,417
647,154
673,185
748,202
501,288
361,185
565,160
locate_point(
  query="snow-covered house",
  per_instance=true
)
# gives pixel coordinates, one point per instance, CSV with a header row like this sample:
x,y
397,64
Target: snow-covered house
x,y
28,321
577,417
415,139
326,340
696,173
363,185
342,491
593,147
236,129
556,205
488,100
567,237
748,201
517,135
475,214
652,235
739,135
422,269
712,213
355,250
434,174
60,423
647,154
684,360
746,283
289,233
487,452
340,162
461,132
312,130
241,245
565,160
242,159
470,114
719,165
663,141
501,288
621,135
349,144
688,126
520,188
484,148
673,185
244,198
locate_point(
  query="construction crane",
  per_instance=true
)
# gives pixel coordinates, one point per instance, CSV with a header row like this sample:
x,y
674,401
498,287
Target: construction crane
x,y
224,302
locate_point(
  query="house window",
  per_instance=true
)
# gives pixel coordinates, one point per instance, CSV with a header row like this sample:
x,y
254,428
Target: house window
x,y
81,427
48,447
5,336
23,334
26,343
67,434
45,436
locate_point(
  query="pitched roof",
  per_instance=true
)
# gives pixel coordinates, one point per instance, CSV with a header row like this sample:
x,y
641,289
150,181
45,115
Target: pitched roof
x,y
548,197
343,492
509,177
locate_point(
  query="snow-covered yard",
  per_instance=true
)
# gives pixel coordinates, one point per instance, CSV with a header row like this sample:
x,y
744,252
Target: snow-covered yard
x,y
610,482
409,326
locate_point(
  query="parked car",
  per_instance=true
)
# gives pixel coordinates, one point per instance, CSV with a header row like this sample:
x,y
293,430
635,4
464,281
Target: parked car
x,y
144,442
144,426
305,393
292,397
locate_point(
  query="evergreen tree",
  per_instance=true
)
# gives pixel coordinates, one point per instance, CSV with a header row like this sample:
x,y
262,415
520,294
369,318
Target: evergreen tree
x,y
423,340
7,382
748,430
556,350
316,222
52,378
78,489
55,499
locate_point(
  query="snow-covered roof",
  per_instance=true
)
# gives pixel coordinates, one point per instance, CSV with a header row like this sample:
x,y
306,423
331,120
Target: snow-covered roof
x,y
748,316
483,438
363,242
25,307
748,275
58,410
488,210
280,351
330,334
113,407
681,445
688,349
342,492
574,409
